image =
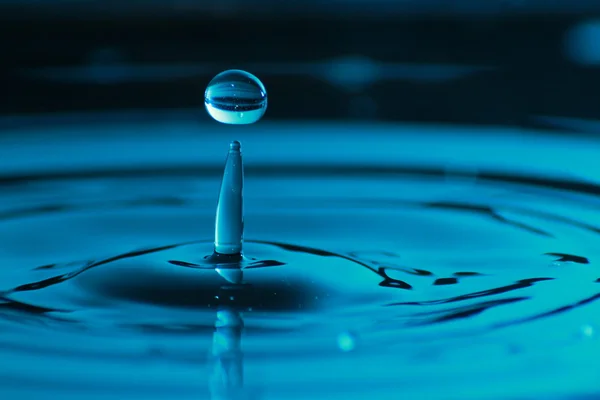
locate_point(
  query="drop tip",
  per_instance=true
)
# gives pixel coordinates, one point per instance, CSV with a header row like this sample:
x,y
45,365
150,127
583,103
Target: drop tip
x,y
235,146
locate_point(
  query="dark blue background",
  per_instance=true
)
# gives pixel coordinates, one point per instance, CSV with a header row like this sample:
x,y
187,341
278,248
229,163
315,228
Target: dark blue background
x,y
463,62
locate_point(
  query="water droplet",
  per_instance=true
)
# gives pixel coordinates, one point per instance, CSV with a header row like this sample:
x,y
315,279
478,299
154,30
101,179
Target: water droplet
x,y
346,341
235,97
587,331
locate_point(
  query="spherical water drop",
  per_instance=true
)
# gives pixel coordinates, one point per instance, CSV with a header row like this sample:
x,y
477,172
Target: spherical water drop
x,y
346,341
235,97
587,331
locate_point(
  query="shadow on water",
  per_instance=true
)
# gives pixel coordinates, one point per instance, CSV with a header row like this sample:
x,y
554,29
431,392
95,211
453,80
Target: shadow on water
x,y
247,296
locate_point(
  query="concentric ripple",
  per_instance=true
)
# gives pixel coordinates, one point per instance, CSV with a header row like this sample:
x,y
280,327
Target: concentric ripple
x,y
420,273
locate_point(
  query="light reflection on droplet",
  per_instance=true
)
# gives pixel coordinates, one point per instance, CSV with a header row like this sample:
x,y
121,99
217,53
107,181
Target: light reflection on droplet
x,y
235,97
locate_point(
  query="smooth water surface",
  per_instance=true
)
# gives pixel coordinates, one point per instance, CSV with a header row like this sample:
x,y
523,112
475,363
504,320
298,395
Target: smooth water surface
x,y
389,277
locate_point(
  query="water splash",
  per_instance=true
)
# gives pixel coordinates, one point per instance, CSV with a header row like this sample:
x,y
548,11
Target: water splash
x,y
229,223
338,288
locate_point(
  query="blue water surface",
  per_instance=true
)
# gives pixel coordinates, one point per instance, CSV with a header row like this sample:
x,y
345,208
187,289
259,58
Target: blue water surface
x,y
412,262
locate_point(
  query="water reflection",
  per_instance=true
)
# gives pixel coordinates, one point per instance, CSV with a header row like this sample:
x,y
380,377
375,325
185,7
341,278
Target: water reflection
x,y
227,375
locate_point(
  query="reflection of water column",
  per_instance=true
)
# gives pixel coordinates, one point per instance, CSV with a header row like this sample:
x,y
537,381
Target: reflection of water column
x,y
227,379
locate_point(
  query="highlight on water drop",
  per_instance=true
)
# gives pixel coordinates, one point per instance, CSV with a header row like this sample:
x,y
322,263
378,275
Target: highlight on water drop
x,y
235,97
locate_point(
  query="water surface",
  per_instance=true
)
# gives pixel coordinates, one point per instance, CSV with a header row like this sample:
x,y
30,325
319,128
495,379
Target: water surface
x,y
417,262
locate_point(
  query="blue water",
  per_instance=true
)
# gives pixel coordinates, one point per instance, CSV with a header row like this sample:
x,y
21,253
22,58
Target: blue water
x,y
390,262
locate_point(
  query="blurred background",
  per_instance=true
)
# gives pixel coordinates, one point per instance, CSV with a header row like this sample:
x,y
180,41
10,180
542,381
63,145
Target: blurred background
x,y
529,63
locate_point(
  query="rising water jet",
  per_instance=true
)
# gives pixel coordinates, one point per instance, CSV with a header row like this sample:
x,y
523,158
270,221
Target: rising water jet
x,y
229,221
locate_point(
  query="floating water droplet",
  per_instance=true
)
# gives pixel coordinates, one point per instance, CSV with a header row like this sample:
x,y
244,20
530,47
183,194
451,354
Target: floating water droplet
x,y
235,97
346,341
587,331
